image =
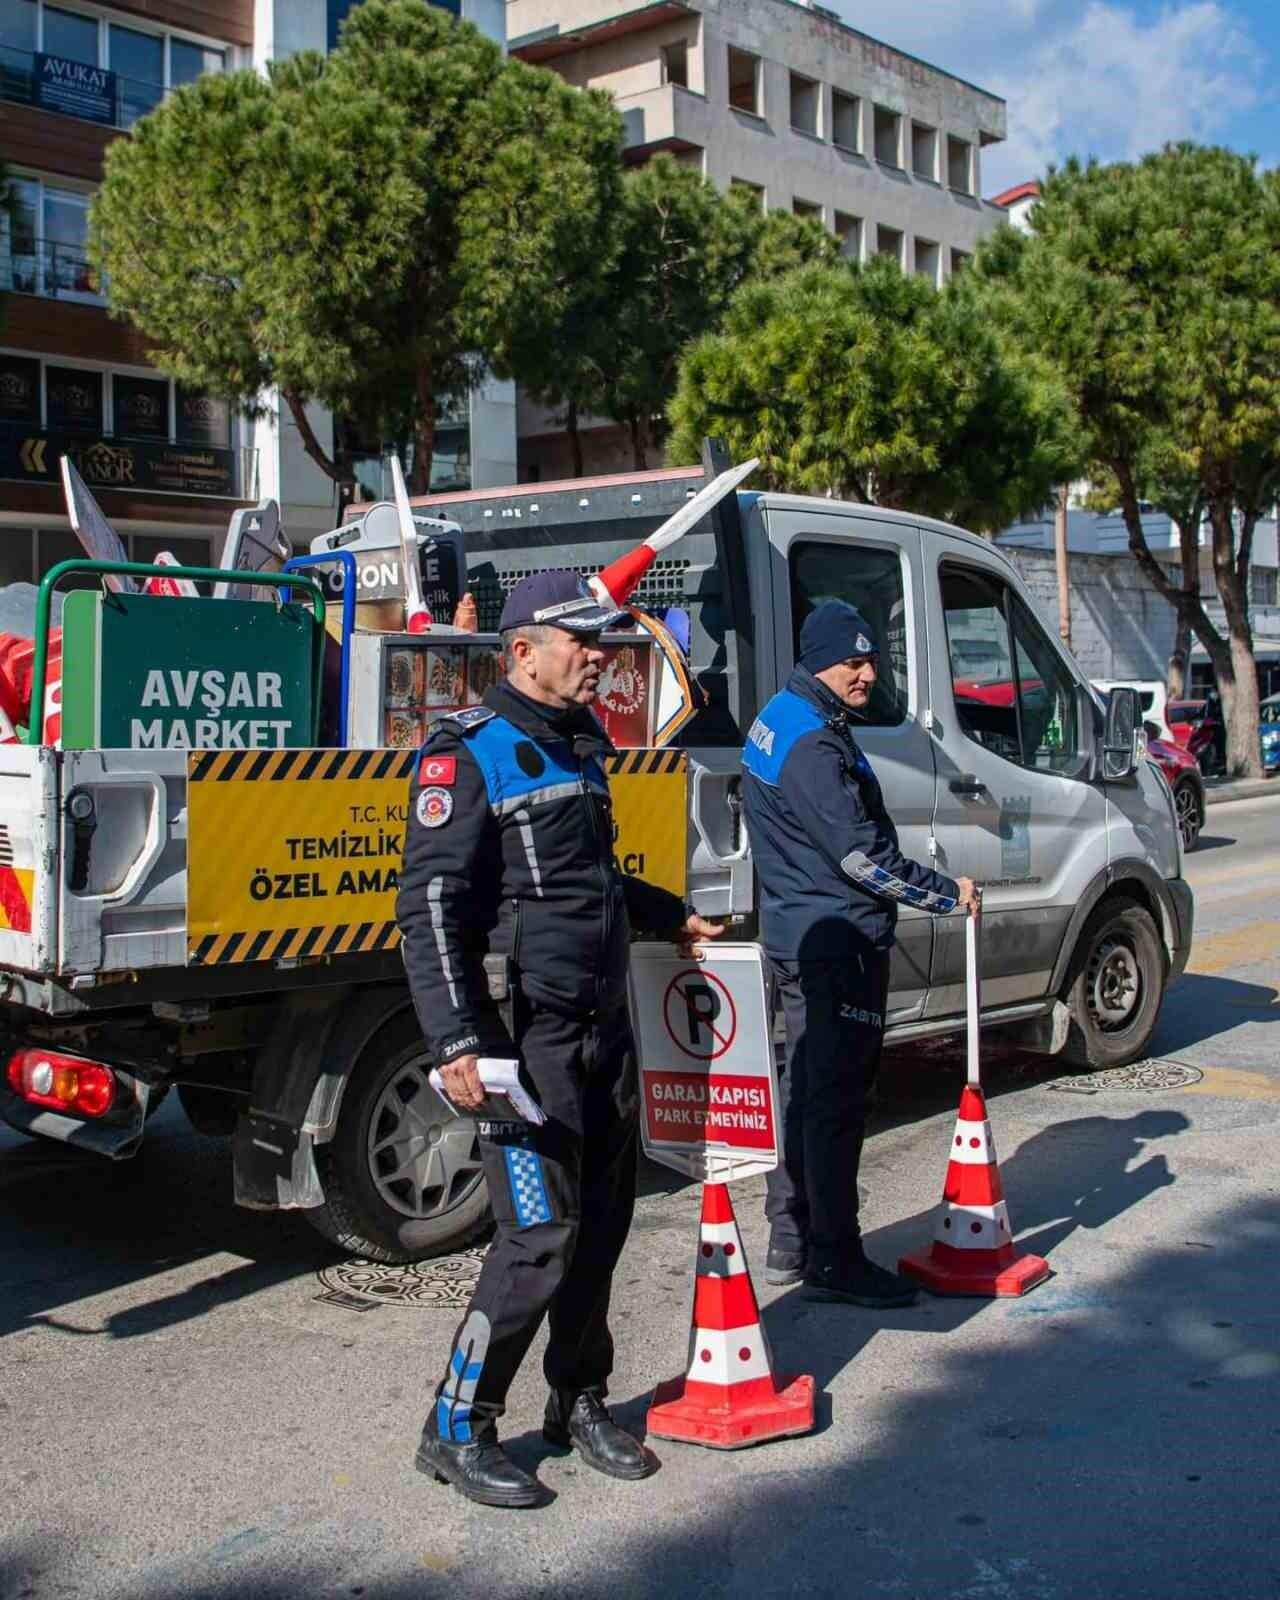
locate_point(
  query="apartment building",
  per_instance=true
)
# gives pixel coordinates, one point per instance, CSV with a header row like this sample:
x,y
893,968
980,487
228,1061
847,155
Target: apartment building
x,y
168,464
787,100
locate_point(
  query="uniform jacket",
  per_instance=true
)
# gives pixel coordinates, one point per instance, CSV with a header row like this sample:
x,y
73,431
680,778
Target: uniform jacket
x,y
831,873
509,850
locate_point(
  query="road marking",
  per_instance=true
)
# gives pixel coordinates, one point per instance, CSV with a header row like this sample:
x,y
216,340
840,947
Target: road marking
x,y
1234,1083
1236,947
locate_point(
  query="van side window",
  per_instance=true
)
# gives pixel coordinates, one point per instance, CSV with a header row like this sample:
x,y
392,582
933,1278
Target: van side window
x,y
870,578
1013,694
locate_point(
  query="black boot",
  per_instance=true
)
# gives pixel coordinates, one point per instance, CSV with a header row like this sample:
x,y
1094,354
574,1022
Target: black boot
x,y
859,1282
479,1468
583,1419
784,1264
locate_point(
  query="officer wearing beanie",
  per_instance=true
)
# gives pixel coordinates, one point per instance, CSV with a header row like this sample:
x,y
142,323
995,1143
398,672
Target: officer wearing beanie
x,y
831,880
509,850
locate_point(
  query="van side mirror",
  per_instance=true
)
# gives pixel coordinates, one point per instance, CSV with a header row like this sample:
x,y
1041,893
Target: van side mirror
x,y
1151,729
1121,739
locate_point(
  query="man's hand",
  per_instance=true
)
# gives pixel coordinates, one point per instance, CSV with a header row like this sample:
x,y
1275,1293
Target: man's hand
x,y
970,896
696,927
462,1082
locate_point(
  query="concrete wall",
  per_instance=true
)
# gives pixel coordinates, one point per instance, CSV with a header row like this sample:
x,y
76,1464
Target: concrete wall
x,y
1120,626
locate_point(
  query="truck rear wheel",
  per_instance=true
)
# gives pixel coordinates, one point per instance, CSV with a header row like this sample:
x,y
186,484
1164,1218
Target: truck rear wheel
x,y
1116,986
402,1176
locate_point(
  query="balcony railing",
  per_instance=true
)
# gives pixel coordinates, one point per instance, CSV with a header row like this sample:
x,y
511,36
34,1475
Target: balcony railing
x,y
51,269
76,88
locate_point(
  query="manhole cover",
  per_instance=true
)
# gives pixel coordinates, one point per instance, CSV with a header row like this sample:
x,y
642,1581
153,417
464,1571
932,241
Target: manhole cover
x,y
442,1284
1144,1077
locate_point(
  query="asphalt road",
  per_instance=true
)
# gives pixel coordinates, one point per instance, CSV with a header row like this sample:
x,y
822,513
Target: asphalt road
x,y
188,1409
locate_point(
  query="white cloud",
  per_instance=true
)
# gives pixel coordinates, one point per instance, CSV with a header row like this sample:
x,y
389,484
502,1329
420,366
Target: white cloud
x,y
1100,79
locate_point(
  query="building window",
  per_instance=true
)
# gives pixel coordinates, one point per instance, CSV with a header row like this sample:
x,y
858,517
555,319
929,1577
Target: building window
x,y
675,63
73,399
846,121
806,96
744,81
889,242
1262,586
849,232
959,165
140,407
960,259
43,243
201,419
928,257
144,62
810,210
888,137
755,190
20,391
924,151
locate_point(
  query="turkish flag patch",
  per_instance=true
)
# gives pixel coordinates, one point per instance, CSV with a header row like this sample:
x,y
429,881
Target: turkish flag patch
x,y
437,769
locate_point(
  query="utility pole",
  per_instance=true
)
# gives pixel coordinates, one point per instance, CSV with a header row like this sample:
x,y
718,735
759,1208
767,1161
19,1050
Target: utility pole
x,y
1060,558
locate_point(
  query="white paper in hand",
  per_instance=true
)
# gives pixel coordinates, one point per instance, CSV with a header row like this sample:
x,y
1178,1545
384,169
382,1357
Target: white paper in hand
x,y
506,1098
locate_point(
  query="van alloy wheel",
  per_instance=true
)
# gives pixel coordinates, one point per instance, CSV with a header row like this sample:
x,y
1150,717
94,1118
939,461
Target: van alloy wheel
x,y
1114,984
422,1158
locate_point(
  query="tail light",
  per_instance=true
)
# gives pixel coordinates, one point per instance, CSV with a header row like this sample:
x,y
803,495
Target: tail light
x,y
63,1083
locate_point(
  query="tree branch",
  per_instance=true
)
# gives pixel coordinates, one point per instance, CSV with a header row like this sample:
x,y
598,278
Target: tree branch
x,y
306,432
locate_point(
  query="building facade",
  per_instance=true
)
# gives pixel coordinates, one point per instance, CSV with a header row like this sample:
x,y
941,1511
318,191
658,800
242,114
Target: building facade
x,y
168,465
790,102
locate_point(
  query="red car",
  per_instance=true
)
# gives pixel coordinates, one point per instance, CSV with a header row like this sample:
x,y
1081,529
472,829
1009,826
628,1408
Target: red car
x,y
1182,774
1196,728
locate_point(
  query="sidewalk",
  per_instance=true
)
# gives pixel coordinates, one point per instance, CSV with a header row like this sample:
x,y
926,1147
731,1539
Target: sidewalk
x,y
1219,790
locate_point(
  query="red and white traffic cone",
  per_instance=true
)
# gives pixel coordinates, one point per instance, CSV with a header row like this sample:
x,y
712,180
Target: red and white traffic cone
x,y
729,1397
972,1250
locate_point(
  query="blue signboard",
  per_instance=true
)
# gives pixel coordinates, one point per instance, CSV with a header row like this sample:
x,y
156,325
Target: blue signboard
x,y
76,89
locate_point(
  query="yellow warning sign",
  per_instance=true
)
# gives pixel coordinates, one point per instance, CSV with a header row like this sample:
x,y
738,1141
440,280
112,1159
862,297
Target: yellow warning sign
x,y
297,853
650,792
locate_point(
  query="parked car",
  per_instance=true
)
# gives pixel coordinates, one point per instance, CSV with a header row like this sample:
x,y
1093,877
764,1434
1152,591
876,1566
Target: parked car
x,y
1181,771
1197,727
1153,698
1269,733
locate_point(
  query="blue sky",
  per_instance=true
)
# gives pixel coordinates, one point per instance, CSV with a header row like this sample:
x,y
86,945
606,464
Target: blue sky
x,y
1110,78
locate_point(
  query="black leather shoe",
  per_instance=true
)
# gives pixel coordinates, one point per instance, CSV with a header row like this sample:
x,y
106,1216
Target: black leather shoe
x,y
479,1468
584,1420
859,1282
783,1266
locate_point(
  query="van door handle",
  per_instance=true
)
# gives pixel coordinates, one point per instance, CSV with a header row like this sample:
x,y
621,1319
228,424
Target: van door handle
x,y
967,783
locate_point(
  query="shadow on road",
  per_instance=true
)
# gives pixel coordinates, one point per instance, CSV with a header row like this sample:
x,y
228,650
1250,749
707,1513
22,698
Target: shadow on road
x,y
1040,1454
76,1226
1201,1006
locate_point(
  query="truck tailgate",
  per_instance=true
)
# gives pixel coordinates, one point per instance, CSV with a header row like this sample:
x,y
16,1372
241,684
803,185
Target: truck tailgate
x,y
28,838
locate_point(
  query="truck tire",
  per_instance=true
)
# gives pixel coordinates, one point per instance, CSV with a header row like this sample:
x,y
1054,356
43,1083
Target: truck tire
x,y
1116,985
402,1176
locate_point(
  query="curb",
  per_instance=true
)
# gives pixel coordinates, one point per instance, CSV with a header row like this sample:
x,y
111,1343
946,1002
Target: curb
x,y
1216,794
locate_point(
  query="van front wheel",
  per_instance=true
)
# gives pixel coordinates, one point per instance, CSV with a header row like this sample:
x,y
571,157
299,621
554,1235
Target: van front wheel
x,y
1117,984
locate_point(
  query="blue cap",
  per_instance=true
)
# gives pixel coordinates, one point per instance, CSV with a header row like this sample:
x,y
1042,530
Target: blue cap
x,y
557,599
835,631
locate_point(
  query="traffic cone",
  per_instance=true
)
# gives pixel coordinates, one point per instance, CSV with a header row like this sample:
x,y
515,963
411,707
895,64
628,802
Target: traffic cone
x,y
972,1250
729,1397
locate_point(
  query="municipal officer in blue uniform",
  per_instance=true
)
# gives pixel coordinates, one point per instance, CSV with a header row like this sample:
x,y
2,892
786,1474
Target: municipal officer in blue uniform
x,y
831,880
509,850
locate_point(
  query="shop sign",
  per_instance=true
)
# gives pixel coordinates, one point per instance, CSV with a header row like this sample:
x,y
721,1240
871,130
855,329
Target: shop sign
x,y
27,454
75,89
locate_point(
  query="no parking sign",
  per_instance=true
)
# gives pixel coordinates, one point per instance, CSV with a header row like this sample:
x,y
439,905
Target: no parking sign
x,y
708,1088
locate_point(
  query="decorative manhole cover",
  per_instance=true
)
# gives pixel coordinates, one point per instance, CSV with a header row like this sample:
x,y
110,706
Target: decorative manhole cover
x,y
442,1284
1144,1077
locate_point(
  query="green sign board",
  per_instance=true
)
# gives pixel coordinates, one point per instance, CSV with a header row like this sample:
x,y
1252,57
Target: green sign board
x,y
148,672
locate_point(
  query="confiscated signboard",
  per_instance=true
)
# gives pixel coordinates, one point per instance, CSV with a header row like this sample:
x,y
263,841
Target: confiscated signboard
x,y
708,1084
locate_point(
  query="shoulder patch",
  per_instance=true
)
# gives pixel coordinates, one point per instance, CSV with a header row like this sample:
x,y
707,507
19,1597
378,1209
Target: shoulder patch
x,y
471,717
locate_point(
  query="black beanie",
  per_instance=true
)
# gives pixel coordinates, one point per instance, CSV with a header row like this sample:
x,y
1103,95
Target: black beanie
x,y
835,631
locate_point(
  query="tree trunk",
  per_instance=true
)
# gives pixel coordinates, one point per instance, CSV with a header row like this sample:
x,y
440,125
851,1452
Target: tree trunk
x,y
575,438
637,442
1061,562
424,433
1240,709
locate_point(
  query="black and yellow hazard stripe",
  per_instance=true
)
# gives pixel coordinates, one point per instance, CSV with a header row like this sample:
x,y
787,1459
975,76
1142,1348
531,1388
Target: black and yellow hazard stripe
x,y
341,939
649,762
272,766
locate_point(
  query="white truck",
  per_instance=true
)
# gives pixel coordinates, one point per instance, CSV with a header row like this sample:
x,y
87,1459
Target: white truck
x,y
299,1041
